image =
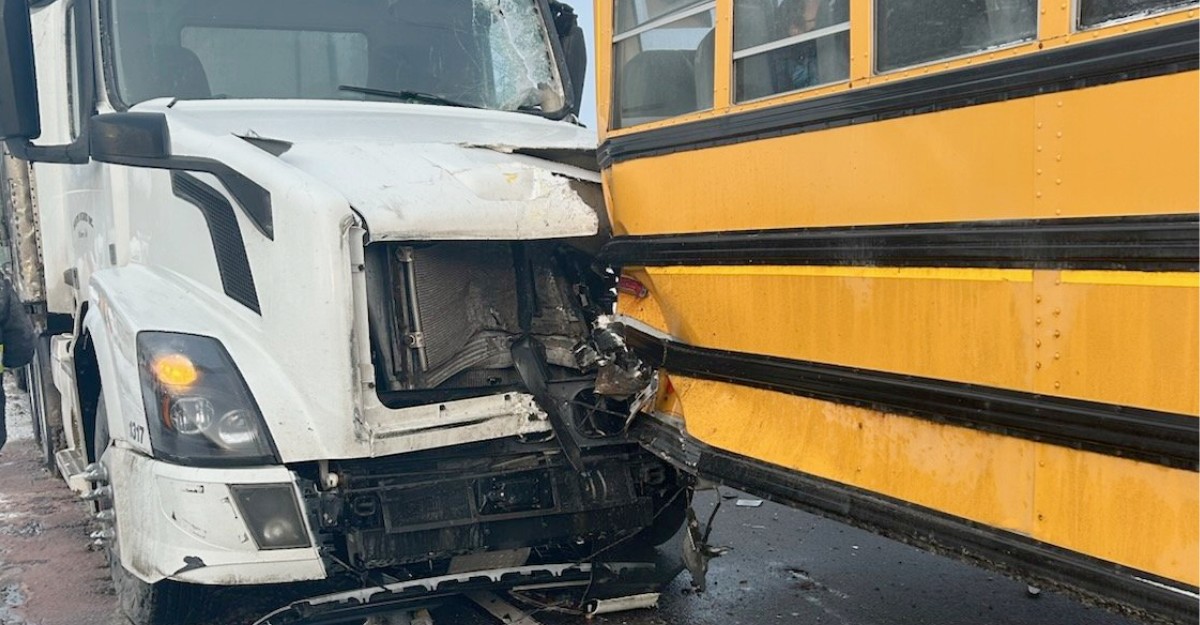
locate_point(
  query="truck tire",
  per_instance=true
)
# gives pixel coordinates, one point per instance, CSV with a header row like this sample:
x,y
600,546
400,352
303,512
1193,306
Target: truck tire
x,y
162,603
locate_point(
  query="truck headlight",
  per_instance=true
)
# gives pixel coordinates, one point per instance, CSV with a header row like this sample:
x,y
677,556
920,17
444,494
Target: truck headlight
x,y
198,408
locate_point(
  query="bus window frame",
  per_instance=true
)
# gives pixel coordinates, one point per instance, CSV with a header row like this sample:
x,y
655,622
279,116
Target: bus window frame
x,y
1065,32
696,9
873,40
1078,28
770,46
699,8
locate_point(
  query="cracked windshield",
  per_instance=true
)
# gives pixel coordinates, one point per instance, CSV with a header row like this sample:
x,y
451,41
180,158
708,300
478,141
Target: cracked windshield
x,y
491,54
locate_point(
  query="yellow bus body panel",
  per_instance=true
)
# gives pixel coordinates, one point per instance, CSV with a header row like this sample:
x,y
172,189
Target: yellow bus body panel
x,y
1125,338
1133,513
1111,337
1128,148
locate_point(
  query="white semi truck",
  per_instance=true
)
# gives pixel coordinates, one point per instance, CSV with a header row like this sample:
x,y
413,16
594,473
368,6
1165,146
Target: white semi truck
x,y
316,289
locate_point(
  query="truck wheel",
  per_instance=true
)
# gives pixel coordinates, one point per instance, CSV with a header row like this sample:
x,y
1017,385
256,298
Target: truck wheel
x,y
162,603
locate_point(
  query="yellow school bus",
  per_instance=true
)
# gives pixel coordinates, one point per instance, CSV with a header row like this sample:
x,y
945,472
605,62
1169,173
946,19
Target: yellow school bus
x,y
927,267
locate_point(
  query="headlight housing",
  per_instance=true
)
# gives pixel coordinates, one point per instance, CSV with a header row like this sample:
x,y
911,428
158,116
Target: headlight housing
x,y
198,408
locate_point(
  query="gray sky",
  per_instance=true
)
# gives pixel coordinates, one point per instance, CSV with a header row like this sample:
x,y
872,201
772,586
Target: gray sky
x,y
587,21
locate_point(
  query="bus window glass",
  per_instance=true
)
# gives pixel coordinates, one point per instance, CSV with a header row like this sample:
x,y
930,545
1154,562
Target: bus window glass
x,y
911,32
633,13
794,44
663,57
1098,12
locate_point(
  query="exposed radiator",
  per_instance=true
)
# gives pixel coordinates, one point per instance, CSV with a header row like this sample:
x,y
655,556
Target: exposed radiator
x,y
454,312
467,306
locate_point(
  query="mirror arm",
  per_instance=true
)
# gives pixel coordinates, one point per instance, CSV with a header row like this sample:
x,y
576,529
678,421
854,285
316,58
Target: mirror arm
x,y
18,147
70,154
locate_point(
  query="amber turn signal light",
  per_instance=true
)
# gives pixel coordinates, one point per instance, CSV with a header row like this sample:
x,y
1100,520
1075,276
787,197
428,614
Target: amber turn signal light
x,y
175,370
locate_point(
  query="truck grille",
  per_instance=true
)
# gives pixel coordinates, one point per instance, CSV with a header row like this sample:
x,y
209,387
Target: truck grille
x,y
393,520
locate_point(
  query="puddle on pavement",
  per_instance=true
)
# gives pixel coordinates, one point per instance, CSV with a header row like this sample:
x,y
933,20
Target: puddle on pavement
x,y
20,425
24,530
13,597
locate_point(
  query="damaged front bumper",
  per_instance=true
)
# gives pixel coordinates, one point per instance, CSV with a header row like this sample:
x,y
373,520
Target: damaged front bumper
x,y
186,524
350,606
485,498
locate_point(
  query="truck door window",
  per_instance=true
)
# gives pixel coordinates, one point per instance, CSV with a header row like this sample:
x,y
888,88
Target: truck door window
x,y
487,53
78,108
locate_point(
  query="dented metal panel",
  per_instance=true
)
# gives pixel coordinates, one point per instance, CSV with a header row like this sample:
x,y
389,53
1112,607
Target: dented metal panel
x,y
443,191
417,172
188,528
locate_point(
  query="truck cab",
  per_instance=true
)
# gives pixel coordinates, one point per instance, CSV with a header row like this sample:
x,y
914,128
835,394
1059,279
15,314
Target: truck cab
x,y
317,289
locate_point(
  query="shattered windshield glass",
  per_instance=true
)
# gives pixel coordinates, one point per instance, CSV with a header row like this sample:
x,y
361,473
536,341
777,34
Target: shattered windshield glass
x,y
477,53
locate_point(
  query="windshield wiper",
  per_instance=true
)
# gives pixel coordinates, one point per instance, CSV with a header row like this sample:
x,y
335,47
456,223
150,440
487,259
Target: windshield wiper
x,y
427,98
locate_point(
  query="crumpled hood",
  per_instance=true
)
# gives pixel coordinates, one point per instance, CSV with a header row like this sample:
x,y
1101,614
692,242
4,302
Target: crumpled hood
x,y
417,172
444,191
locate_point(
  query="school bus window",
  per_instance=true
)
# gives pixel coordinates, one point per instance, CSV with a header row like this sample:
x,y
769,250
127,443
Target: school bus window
x,y
633,13
663,55
911,32
794,44
1098,12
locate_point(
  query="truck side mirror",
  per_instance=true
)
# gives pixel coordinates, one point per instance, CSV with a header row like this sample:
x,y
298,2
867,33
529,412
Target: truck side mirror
x,y
574,48
19,116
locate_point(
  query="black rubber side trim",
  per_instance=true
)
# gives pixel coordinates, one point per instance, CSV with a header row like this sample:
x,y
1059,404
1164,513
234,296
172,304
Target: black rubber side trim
x,y
1090,579
144,140
1157,52
1163,438
230,249
583,159
253,198
1144,243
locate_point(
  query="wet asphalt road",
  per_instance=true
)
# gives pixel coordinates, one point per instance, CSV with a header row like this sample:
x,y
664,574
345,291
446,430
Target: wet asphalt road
x,y
783,566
